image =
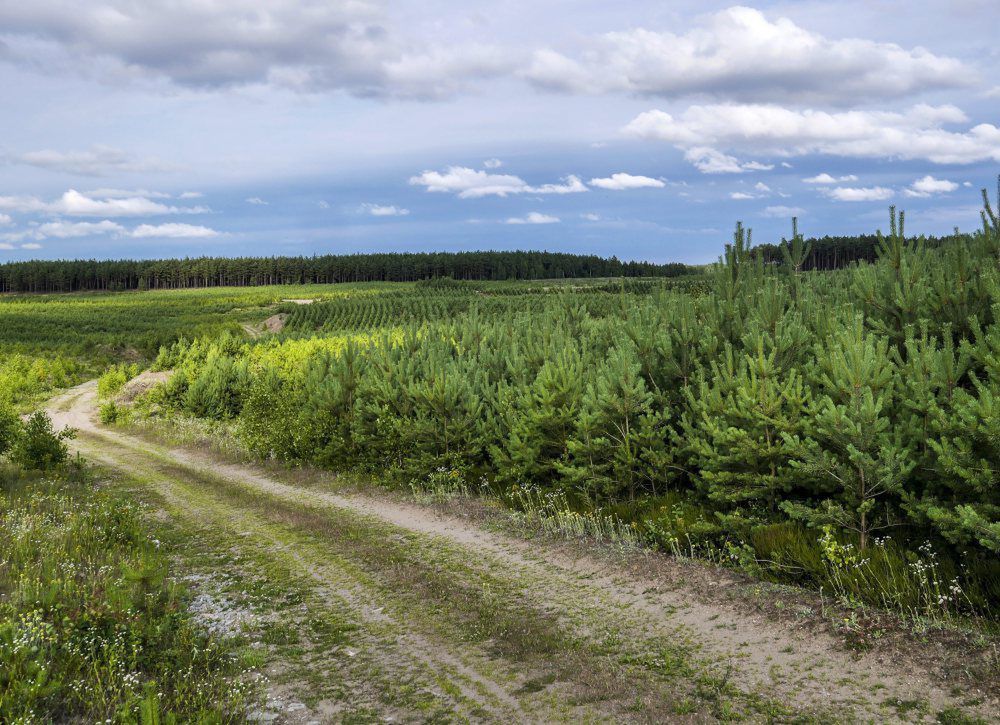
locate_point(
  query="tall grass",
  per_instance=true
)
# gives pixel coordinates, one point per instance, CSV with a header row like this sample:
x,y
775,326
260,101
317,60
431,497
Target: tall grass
x,y
92,629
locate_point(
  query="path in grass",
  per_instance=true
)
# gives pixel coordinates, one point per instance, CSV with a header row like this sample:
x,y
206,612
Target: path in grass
x,y
369,607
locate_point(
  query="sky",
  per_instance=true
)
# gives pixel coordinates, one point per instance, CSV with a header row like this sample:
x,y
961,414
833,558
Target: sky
x,y
635,128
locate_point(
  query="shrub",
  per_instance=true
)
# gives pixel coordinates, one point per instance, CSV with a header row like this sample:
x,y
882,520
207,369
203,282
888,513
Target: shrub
x,y
38,447
114,379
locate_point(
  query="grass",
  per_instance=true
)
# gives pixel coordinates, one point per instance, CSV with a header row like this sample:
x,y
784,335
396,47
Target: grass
x,y
92,626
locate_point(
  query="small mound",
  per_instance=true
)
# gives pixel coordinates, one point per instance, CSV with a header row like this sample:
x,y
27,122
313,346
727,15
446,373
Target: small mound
x,y
140,384
275,323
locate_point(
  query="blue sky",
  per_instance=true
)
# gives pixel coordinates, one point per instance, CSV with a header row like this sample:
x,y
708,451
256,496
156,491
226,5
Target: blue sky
x,y
641,129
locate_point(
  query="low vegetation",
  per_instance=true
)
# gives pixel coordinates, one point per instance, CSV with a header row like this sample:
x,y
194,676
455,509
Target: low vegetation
x,y
92,627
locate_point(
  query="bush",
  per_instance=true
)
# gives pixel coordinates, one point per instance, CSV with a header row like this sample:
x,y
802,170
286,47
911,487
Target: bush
x,y
110,413
114,379
38,447
10,426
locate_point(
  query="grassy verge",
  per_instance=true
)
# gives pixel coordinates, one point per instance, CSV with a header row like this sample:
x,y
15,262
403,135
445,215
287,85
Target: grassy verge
x,y
92,627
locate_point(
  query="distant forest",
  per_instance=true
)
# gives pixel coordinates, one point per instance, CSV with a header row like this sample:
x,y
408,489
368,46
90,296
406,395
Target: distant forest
x,y
837,252
81,275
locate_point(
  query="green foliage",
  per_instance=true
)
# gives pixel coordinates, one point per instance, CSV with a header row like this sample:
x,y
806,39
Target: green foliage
x,y
114,378
10,427
111,413
37,446
92,628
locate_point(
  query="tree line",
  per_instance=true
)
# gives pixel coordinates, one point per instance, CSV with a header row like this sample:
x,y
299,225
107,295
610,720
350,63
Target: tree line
x,y
87,275
837,252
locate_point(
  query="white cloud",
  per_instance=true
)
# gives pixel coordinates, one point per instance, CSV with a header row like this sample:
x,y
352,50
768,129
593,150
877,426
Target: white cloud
x,y
305,46
173,231
31,245
825,178
493,163
68,230
60,229
739,53
384,210
591,217
74,203
534,218
916,133
323,204
256,201
782,212
190,195
124,194
622,181
928,186
711,161
762,187
869,193
471,183
571,185
98,161
741,196
5,220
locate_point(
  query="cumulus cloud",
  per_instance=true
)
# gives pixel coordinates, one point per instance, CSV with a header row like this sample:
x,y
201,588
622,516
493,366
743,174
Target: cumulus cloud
x,y
591,217
190,195
867,193
917,133
622,181
570,185
493,163
741,196
305,46
31,245
711,161
740,54
534,218
5,220
68,230
98,161
173,231
828,179
469,183
472,183
782,212
929,186
256,201
384,210
74,203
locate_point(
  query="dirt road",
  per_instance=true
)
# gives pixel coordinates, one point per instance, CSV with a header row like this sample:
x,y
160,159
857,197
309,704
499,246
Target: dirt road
x,y
368,607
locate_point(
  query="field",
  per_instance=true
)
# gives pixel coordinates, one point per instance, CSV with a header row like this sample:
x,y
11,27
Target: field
x,y
751,491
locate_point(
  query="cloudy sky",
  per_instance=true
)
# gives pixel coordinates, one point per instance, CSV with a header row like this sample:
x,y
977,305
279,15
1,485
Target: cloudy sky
x,y
638,128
